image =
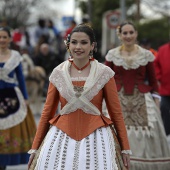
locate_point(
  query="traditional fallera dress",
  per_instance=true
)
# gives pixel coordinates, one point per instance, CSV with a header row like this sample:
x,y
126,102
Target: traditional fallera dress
x,y
136,83
80,137
17,126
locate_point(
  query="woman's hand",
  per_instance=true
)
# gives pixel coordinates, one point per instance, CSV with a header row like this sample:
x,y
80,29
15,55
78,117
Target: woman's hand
x,y
30,160
126,160
157,101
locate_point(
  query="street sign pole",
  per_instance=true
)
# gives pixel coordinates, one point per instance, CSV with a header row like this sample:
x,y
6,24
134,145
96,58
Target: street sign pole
x,y
123,10
110,21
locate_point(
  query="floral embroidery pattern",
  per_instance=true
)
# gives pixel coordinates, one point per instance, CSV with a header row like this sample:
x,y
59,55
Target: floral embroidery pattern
x,y
13,143
134,109
6,104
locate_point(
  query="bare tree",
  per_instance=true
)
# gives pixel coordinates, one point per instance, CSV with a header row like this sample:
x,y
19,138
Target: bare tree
x,y
45,10
16,12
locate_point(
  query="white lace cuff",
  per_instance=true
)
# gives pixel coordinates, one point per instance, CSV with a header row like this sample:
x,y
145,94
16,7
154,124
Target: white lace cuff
x,y
129,152
156,96
32,151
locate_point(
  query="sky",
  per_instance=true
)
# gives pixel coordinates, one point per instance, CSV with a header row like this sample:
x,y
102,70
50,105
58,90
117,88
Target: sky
x,y
56,10
59,8
65,7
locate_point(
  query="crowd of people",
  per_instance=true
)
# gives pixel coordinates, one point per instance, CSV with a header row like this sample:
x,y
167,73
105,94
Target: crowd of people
x,y
113,115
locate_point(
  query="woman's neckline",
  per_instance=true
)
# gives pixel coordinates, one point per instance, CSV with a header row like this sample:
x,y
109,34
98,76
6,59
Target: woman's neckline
x,y
131,53
4,61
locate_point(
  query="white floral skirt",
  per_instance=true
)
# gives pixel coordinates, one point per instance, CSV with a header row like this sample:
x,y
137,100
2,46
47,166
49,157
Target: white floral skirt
x,y
60,152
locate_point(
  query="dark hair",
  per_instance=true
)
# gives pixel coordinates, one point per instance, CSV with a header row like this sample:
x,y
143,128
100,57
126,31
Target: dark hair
x,y
73,22
6,30
41,22
86,28
125,23
145,41
50,23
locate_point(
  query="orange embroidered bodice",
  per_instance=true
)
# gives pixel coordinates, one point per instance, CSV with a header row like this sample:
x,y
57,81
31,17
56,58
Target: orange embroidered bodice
x,y
79,124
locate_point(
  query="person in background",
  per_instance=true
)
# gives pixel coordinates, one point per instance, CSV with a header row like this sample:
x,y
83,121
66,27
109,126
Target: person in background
x,y
42,40
27,62
162,67
51,26
53,37
41,30
17,125
139,101
72,25
145,43
48,60
80,135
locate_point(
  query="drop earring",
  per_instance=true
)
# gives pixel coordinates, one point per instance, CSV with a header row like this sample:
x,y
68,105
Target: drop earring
x,y
69,52
91,54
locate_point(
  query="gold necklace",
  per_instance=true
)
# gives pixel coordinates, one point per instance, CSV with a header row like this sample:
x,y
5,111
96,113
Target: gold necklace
x,y
127,51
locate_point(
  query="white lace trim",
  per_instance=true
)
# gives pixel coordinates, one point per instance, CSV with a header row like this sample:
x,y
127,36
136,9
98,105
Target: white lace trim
x,y
156,96
16,118
141,59
112,148
151,109
78,78
98,77
10,65
128,152
31,151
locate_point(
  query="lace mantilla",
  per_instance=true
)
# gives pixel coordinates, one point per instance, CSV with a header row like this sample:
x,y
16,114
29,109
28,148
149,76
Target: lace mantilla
x,y
78,78
31,151
98,77
10,65
141,59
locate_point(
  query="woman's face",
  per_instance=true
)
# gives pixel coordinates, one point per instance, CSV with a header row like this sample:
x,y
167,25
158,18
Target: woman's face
x,y
128,35
4,39
80,45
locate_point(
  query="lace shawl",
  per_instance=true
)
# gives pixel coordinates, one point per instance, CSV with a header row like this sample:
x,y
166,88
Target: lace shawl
x,y
140,59
99,75
9,66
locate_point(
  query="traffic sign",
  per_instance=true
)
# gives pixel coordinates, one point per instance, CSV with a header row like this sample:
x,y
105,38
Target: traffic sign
x,y
113,19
